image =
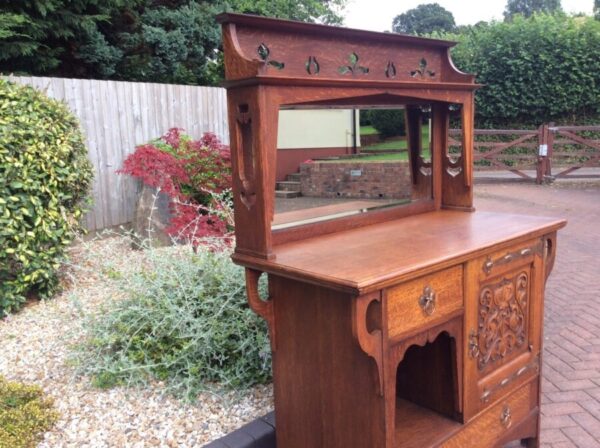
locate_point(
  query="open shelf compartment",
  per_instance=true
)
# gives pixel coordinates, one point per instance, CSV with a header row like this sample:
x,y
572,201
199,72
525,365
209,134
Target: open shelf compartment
x,y
427,398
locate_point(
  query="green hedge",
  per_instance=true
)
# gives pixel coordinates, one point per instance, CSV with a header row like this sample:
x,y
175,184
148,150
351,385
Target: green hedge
x,y
543,68
44,176
389,122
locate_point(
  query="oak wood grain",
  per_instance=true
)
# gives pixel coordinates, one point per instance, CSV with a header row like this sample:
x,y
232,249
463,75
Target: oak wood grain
x,y
364,259
404,311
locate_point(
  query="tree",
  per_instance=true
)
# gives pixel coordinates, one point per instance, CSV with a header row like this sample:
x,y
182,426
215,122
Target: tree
x,y
38,37
424,19
529,7
136,40
597,9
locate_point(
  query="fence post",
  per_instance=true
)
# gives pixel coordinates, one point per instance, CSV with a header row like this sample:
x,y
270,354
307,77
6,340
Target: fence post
x,y
542,156
550,138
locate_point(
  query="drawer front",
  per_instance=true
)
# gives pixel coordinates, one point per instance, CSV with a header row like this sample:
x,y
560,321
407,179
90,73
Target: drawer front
x,y
496,423
422,301
501,261
503,318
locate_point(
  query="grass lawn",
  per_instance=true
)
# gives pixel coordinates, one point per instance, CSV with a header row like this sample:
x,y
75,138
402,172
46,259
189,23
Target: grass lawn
x,y
386,145
387,157
390,144
368,130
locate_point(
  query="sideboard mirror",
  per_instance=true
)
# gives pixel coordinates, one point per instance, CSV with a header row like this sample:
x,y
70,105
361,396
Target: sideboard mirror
x,y
333,162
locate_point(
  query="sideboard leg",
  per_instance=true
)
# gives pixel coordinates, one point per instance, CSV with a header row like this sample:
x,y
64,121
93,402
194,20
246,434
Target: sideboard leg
x,y
531,442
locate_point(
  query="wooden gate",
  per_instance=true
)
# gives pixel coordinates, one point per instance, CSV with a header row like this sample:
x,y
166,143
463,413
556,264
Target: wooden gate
x,y
514,150
569,151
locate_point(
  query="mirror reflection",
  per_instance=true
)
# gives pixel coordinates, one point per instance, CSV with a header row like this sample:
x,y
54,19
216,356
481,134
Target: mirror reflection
x,y
335,162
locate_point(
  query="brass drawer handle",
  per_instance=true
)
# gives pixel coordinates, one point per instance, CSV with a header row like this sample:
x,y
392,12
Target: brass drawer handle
x,y
506,417
427,300
489,264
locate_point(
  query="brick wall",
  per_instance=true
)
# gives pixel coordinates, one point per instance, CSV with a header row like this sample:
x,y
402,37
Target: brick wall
x,y
360,180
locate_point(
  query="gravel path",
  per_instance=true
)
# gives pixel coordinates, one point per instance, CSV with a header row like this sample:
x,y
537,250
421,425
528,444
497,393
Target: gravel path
x,y
35,349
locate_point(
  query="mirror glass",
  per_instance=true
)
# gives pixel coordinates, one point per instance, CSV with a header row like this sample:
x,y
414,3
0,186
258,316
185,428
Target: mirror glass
x,y
338,161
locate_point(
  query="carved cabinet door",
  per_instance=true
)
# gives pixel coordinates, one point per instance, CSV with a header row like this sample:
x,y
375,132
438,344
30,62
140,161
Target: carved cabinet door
x,y
503,319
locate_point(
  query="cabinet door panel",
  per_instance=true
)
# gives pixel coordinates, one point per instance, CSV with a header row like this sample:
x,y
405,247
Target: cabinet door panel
x,y
503,318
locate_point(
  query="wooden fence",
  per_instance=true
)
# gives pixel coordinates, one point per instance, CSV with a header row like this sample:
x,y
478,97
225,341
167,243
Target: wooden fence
x,y
540,154
116,116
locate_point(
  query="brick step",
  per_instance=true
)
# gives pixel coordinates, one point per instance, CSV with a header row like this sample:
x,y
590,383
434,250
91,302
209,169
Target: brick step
x,y
287,194
288,186
294,177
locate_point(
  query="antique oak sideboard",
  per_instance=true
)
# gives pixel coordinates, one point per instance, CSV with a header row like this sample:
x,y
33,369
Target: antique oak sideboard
x,y
393,323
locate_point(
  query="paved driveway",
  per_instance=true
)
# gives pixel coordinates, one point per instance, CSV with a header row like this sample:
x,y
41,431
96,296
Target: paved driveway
x,y
571,370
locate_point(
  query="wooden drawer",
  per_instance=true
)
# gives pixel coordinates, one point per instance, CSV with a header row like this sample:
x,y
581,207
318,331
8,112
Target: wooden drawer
x,y
423,301
499,262
496,423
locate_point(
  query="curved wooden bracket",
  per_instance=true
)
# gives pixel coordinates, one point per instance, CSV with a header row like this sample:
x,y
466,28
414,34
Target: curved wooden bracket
x,y
264,308
549,253
370,342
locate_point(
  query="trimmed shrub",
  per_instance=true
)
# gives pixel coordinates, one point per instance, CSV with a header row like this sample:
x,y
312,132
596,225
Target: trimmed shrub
x,y
533,70
196,175
24,414
44,178
184,320
389,122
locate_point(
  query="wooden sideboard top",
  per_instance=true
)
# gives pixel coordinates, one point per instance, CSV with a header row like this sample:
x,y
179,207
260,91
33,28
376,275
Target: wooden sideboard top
x,y
368,258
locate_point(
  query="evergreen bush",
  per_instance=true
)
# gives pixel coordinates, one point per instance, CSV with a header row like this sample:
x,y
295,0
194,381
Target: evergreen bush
x,y
389,122
24,415
44,178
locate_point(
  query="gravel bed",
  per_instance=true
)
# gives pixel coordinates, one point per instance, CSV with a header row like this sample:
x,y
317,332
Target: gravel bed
x,y
35,349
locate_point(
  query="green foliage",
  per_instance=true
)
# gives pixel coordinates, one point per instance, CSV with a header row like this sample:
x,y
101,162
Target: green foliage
x,y
597,9
139,40
47,36
529,7
44,176
389,122
184,320
24,415
424,19
533,70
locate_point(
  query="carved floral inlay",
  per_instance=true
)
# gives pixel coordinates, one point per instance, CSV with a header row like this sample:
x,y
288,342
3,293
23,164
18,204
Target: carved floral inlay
x,y
422,70
264,53
312,66
502,324
354,68
390,70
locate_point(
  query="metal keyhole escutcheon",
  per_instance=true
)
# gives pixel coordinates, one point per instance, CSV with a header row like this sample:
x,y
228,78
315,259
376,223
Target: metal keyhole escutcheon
x,y
427,300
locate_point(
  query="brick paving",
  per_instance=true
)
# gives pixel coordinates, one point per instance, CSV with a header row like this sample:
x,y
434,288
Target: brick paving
x,y
571,362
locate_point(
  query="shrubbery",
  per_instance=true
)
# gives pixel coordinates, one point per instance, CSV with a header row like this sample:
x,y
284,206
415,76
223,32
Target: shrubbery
x,y
24,415
389,122
184,320
196,175
533,70
44,177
